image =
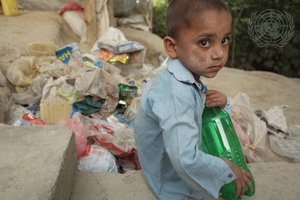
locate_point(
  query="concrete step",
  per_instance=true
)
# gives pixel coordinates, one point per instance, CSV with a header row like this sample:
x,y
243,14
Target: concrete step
x,y
36,163
274,181
110,186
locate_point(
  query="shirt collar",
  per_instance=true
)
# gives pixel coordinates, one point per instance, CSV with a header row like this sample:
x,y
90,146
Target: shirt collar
x,y
182,74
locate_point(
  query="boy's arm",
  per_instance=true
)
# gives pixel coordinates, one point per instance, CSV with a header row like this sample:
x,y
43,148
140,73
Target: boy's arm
x,y
216,98
201,171
243,177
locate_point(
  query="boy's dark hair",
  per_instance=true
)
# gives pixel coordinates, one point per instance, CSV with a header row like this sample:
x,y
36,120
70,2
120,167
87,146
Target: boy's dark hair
x,y
180,13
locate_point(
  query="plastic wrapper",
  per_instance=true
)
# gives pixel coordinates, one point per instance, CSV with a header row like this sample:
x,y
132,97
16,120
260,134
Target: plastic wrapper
x,y
91,61
68,53
28,119
70,56
126,95
108,56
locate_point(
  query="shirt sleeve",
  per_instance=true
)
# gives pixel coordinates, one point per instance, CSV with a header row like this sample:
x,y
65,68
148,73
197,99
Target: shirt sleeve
x,y
227,107
203,172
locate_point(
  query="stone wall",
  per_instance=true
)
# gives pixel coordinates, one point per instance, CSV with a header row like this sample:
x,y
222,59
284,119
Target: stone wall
x,y
44,4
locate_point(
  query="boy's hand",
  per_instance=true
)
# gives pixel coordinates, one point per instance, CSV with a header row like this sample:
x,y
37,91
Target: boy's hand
x,y
242,178
215,98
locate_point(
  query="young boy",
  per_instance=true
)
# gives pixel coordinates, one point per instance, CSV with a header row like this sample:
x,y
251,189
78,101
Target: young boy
x,y
168,124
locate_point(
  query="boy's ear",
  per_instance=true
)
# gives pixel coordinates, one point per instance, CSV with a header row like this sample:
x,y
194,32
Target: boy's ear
x,y
170,46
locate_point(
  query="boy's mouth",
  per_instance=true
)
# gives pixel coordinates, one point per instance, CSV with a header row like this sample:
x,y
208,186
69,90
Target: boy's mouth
x,y
214,68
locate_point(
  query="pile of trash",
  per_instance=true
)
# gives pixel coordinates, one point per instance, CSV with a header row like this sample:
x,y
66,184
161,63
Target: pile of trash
x,y
86,92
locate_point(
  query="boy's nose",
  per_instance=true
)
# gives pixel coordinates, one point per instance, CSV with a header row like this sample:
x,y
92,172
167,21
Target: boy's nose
x,y
217,53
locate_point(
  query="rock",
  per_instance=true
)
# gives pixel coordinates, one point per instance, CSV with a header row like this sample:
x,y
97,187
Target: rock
x,y
6,100
44,4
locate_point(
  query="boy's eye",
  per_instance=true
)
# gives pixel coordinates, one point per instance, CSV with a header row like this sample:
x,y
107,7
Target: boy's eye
x,y
204,42
226,40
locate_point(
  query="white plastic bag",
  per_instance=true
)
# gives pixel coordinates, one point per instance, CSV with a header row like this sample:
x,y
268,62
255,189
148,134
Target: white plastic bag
x,y
97,159
287,146
253,126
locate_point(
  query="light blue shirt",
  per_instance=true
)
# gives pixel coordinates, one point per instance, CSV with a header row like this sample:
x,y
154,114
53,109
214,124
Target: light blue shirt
x,y
167,138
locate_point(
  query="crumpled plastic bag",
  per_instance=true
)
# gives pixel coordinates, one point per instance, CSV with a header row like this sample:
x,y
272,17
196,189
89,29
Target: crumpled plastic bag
x,y
287,146
256,129
115,41
132,110
245,143
53,67
22,71
118,140
114,136
97,159
275,119
43,48
34,93
60,89
79,132
99,83
15,112
112,37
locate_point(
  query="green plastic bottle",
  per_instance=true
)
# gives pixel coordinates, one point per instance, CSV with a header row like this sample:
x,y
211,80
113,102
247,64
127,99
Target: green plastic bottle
x,y
219,139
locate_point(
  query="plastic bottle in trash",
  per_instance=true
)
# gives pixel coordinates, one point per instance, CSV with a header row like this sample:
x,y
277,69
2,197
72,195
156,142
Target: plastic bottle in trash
x,y
219,139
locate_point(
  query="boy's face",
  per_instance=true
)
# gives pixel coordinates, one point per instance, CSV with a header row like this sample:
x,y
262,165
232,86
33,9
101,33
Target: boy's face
x,y
203,46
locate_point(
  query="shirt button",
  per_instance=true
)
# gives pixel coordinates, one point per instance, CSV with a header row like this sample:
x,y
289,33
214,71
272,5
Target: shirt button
x,y
230,175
